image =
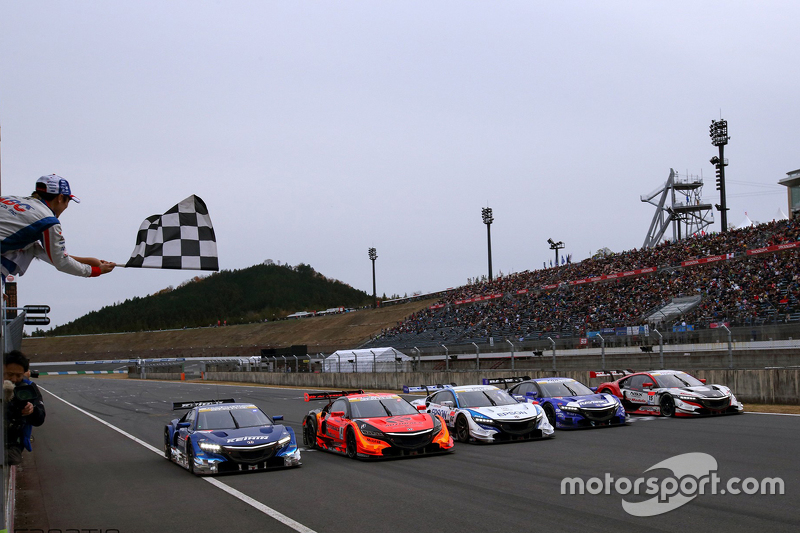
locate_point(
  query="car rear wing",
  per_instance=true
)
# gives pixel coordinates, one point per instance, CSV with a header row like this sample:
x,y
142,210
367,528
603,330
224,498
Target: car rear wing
x,y
330,395
427,388
613,374
505,381
199,403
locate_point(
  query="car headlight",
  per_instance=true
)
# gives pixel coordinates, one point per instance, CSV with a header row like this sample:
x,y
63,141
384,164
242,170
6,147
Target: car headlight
x,y
570,408
284,441
483,420
370,431
686,397
437,425
210,447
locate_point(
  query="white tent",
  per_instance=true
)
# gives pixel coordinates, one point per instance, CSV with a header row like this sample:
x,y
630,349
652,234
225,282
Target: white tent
x,y
367,360
746,223
780,215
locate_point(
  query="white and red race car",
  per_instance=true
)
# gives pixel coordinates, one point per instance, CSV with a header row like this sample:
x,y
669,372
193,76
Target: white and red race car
x,y
671,393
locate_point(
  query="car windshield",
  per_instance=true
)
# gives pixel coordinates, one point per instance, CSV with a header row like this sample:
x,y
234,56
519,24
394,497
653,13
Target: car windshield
x,y
676,380
556,389
485,398
383,407
232,419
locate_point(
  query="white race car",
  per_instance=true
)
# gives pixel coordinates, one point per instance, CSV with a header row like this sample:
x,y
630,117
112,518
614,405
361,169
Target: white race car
x,y
671,393
483,413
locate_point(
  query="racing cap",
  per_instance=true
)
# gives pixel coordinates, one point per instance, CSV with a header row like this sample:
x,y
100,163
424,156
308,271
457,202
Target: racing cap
x,y
55,184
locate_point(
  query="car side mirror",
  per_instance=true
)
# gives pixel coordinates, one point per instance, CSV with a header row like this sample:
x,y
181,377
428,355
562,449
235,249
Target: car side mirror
x,y
183,425
448,403
339,414
421,407
703,381
518,397
593,389
277,417
647,385
532,394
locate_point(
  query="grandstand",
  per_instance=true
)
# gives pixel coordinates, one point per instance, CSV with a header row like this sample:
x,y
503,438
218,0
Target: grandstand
x,y
746,277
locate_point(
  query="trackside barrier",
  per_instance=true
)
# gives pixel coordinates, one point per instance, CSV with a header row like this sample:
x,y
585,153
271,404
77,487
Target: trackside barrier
x,y
82,372
772,386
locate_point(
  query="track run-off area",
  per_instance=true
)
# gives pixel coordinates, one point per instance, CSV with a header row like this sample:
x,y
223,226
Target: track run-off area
x,y
100,466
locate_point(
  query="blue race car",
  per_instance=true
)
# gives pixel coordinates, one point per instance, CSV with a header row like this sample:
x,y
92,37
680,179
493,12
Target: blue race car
x,y
569,404
220,436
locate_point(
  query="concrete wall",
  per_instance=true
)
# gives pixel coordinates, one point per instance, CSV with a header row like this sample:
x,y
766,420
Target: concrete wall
x,y
169,376
780,385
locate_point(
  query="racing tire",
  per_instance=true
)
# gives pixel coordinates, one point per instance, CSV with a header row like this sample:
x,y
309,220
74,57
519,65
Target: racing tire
x,y
667,405
551,414
351,446
462,429
190,456
310,434
167,446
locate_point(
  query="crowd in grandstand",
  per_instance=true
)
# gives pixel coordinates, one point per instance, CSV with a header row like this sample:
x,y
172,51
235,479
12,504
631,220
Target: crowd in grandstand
x,y
740,290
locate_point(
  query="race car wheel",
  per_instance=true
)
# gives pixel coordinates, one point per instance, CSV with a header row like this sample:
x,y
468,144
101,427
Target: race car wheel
x,y
310,434
352,450
667,405
462,429
551,414
190,455
167,447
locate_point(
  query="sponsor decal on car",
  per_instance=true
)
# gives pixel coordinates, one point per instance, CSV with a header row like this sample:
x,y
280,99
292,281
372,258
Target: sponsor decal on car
x,y
241,439
226,408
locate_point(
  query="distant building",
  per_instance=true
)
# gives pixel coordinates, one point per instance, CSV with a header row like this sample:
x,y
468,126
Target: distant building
x,y
792,183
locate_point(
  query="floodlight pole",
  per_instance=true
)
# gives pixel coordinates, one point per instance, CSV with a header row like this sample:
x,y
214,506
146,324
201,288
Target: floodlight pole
x,y
555,246
718,132
486,213
373,255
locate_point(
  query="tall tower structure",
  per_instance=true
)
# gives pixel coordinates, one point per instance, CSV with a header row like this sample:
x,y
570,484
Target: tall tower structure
x,y
679,205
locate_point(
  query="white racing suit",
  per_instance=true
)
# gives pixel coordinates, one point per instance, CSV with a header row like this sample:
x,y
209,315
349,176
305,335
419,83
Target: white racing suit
x,y
28,229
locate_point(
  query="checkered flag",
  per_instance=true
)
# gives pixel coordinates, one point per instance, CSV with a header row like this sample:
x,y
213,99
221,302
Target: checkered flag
x,y
182,238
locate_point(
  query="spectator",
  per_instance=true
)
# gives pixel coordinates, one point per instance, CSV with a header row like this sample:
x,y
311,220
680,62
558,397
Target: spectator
x,y
20,415
740,290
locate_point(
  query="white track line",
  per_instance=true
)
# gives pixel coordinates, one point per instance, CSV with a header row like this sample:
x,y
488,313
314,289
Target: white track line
x,y
297,526
777,414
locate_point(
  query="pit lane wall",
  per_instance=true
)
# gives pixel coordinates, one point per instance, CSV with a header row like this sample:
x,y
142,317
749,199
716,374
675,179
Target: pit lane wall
x,y
770,386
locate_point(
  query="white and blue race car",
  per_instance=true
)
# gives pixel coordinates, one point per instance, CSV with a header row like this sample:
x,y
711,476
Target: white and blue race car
x,y
483,413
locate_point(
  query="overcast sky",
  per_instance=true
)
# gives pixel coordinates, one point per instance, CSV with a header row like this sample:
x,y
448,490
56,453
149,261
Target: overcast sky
x,y
315,130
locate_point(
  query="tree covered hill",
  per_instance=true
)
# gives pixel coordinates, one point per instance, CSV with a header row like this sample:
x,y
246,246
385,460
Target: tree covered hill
x,y
254,294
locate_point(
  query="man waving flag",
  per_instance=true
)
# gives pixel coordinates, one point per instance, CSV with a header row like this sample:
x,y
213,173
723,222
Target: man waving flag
x,y
182,238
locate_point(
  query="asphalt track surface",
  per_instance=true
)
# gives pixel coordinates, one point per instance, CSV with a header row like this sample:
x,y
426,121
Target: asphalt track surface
x,y
93,476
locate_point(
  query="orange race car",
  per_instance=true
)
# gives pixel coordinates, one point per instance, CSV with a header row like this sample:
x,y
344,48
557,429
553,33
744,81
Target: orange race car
x,y
362,425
